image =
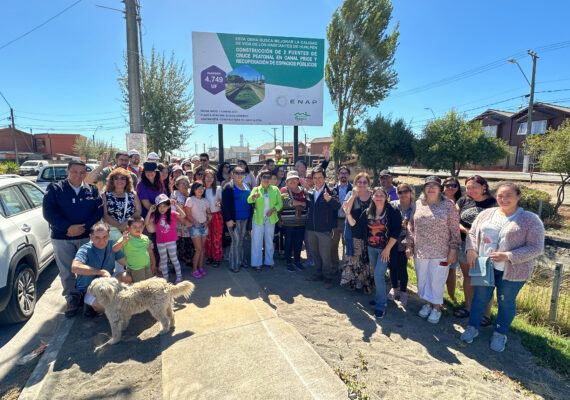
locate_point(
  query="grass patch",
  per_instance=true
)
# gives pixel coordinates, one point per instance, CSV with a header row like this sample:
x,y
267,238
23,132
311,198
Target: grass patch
x,y
550,345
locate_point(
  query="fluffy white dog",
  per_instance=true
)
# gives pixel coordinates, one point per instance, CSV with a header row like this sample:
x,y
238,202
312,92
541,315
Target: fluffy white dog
x,y
123,301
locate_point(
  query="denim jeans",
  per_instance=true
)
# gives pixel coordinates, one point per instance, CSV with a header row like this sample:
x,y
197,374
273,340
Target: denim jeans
x,y
259,235
379,273
507,292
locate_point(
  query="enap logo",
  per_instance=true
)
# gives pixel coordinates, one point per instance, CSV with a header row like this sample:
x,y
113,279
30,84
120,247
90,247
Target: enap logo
x,y
301,116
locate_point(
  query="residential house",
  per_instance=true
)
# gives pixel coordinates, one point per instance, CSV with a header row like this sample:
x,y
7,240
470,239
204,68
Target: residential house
x,y
512,128
42,145
319,144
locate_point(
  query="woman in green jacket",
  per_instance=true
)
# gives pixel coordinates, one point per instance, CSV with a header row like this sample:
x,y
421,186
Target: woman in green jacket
x,y
267,203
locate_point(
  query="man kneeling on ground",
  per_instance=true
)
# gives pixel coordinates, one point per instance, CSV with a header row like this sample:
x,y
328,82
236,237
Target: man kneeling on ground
x,y
97,258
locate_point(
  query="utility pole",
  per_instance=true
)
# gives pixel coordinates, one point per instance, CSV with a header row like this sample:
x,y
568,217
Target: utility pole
x,y
526,160
274,137
16,154
283,136
133,68
13,127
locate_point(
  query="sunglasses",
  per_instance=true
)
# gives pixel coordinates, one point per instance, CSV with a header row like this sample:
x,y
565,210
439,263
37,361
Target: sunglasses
x,y
239,173
266,177
451,185
119,178
183,184
203,160
403,191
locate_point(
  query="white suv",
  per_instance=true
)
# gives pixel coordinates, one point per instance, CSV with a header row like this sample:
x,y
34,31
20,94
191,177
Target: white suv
x,y
25,246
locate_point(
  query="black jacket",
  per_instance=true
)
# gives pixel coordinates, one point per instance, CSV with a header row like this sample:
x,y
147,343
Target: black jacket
x,y
63,208
323,215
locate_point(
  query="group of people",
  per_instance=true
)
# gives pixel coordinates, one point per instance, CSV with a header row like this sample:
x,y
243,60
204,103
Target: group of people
x,y
191,214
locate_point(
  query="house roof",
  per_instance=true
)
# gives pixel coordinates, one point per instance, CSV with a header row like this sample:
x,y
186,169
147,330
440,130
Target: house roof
x,y
271,145
490,112
322,140
565,110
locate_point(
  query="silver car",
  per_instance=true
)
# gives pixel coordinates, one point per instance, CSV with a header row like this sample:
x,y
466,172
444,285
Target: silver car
x,y
55,172
25,246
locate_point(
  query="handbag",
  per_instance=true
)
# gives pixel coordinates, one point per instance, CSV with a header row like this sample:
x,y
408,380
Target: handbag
x,y
483,274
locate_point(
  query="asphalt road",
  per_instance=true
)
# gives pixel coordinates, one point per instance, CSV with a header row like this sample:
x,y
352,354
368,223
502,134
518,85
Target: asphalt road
x,y
17,340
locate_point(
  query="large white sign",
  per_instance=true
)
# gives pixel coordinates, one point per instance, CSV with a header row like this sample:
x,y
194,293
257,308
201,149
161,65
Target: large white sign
x,y
257,80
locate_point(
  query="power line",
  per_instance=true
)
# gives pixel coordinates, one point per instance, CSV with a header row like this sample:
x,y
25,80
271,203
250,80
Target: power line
x,y
69,115
40,25
477,70
70,121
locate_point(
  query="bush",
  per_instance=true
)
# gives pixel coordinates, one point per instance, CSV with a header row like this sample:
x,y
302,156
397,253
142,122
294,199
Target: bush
x,y
9,167
530,199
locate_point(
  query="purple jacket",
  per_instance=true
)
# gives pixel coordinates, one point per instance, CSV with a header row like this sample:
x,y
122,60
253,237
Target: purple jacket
x,y
523,242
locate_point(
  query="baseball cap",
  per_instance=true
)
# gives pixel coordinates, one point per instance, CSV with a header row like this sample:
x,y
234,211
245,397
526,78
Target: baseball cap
x,y
161,198
176,168
152,156
432,179
385,172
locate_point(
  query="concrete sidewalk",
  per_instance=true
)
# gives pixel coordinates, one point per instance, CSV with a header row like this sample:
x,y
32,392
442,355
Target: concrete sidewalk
x,y
240,348
228,344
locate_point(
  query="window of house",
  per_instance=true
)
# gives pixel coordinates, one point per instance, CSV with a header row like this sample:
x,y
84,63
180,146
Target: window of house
x,y
490,130
537,127
41,143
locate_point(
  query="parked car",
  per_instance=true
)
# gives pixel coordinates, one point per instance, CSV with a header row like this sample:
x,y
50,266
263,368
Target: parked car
x,y
25,246
32,167
55,172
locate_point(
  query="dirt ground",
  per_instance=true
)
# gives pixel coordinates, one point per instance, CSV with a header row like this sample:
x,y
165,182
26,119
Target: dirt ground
x,y
403,356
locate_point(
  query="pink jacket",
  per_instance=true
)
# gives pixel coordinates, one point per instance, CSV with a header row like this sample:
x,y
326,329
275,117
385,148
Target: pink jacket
x,y
523,242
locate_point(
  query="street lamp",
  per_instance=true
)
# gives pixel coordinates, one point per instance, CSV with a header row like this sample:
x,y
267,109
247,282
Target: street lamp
x,y
99,126
429,108
530,101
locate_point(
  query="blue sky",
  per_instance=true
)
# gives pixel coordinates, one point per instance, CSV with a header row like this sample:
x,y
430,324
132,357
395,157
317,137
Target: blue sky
x,y
63,76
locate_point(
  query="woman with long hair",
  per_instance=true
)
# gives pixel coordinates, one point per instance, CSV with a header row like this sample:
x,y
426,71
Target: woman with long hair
x,y
223,176
511,238
398,263
381,226
120,202
356,273
477,198
432,240
213,194
167,182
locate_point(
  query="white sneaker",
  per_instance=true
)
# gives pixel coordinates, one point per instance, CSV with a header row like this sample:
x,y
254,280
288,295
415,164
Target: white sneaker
x,y
392,294
434,316
425,310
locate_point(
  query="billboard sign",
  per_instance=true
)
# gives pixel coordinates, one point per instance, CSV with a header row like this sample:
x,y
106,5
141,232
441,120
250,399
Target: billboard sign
x,y
257,80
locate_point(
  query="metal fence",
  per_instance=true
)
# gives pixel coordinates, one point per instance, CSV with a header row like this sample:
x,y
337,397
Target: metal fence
x,y
545,298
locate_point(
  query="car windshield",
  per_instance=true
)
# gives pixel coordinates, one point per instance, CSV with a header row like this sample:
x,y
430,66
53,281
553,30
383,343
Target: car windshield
x,y
30,164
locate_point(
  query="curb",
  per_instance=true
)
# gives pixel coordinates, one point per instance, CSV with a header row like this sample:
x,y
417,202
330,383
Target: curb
x,y
37,379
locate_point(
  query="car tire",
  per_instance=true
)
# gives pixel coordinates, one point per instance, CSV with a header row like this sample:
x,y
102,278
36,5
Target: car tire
x,y
23,297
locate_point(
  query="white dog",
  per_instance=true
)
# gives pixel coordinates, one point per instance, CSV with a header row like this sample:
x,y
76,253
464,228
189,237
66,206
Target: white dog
x,y
123,301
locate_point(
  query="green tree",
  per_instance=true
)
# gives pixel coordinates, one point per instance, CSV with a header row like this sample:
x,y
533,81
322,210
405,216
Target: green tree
x,y
451,142
552,151
167,104
383,144
92,150
359,69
